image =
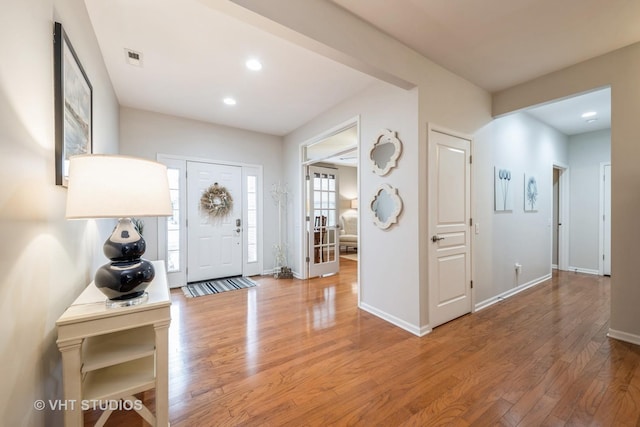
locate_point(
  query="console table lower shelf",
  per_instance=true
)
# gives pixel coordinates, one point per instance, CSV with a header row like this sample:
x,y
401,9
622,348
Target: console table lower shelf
x,y
111,354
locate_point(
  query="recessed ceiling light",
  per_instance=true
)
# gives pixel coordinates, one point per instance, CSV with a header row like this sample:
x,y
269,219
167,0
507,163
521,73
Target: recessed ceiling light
x,y
229,101
254,64
589,114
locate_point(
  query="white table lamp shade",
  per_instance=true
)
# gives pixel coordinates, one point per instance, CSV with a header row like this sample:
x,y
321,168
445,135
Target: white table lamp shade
x,y
110,186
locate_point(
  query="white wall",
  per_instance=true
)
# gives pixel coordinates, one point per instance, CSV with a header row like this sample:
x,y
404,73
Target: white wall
x,y
145,134
522,144
586,152
45,260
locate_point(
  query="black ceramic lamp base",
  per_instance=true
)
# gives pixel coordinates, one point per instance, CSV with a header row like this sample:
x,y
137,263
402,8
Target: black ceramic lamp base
x,y
126,277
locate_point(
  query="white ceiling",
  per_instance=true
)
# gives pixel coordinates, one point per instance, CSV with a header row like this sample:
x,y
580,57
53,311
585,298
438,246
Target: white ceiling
x,y
193,56
566,115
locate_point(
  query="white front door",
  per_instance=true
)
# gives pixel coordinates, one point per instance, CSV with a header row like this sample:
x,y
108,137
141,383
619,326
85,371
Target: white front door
x,y
214,243
450,240
322,193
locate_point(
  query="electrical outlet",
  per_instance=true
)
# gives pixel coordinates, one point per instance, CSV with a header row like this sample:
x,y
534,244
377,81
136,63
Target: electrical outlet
x,y
518,268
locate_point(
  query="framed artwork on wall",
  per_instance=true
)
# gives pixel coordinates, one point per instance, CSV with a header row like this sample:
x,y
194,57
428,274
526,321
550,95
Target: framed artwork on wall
x,y
530,193
503,193
73,105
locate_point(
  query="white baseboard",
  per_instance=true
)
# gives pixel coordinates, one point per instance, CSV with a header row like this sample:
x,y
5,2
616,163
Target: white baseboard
x,y
489,302
554,266
624,336
415,330
270,272
583,270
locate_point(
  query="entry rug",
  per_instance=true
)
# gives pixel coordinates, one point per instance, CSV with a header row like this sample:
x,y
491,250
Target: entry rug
x,y
210,287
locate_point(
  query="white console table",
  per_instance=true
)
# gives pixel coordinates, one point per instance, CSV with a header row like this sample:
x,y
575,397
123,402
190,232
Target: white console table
x,y
110,354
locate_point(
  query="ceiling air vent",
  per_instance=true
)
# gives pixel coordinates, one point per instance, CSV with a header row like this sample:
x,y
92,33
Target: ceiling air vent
x,y
133,57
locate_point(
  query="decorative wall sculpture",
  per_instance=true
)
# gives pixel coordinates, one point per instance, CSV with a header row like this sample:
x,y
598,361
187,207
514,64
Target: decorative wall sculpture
x,y
385,152
386,206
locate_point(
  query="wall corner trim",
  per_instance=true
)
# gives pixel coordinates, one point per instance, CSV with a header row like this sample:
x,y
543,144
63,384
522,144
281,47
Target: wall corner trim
x,y
415,330
624,336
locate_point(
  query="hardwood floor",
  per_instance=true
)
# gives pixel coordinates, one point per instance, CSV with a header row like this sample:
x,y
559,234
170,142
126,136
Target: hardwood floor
x,y
292,352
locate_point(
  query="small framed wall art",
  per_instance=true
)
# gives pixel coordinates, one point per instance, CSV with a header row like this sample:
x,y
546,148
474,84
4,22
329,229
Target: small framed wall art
x,y
530,193
502,186
73,105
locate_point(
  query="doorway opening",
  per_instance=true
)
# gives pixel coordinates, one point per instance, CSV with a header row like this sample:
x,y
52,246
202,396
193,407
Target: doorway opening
x,y
330,202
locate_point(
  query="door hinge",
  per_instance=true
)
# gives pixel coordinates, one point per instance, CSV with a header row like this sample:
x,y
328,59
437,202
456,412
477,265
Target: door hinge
x,y
472,284
307,259
470,160
603,257
470,222
308,218
308,177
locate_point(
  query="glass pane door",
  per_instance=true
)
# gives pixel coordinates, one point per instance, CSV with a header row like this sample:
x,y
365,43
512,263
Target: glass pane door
x,y
322,224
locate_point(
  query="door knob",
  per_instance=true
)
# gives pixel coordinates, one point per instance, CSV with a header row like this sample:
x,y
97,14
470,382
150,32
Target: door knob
x,y
436,238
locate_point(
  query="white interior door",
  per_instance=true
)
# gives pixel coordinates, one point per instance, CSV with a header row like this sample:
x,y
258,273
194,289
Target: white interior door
x,y
606,219
214,244
449,213
322,193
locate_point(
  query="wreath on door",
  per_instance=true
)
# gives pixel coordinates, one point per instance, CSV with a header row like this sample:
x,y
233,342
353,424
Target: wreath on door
x,y
217,201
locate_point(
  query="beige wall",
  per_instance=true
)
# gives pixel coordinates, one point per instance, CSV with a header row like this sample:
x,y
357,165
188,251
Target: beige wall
x,y
45,260
619,69
348,188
